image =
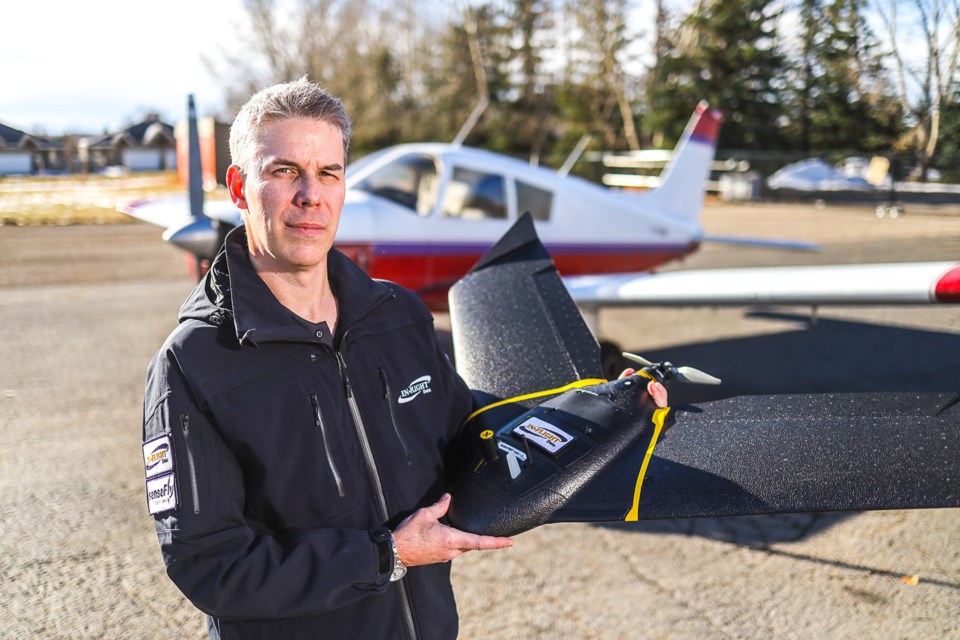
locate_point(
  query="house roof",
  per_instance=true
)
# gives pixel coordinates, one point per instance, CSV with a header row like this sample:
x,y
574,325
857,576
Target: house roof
x,y
142,134
11,139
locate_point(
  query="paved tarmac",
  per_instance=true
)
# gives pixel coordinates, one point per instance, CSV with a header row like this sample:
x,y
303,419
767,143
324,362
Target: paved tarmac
x,y
83,309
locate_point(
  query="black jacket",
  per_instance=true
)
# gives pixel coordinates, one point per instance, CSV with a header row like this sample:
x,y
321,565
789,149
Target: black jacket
x,y
279,440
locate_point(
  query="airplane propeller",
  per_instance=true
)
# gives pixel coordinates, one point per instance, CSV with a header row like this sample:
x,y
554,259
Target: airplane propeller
x,y
667,370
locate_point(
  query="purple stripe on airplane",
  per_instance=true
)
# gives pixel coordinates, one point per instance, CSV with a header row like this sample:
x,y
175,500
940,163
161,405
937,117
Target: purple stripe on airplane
x,y
430,249
696,137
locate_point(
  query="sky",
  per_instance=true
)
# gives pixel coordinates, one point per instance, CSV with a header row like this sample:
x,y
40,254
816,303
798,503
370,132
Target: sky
x,y
98,65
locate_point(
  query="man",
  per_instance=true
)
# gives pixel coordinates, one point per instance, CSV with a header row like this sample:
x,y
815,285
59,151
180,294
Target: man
x,y
290,488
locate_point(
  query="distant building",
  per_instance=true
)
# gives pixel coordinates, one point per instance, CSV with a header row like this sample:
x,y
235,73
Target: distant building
x,y
145,146
22,153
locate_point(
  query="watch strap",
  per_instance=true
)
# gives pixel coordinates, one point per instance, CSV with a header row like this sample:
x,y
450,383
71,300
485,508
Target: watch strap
x,y
384,542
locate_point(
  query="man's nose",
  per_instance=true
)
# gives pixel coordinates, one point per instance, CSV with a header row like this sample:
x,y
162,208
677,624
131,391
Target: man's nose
x,y
310,193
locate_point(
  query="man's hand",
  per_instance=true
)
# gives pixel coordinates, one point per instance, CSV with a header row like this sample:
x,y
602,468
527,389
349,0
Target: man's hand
x,y
656,390
422,539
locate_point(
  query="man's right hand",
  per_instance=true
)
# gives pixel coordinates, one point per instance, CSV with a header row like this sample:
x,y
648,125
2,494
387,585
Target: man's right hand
x,y
422,539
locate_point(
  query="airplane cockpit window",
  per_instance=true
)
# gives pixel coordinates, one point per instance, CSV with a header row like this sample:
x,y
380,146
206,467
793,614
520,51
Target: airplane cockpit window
x,y
410,181
474,195
537,201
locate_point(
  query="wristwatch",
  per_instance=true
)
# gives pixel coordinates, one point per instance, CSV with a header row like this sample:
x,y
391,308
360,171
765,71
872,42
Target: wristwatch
x,y
399,569
386,549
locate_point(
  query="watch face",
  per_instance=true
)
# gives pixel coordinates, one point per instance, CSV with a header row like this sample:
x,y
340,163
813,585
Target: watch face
x,y
399,570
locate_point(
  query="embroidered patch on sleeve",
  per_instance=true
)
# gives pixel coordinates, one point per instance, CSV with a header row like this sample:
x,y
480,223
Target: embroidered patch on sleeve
x,y
162,493
158,456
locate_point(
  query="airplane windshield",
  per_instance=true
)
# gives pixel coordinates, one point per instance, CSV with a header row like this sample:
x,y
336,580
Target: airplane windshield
x,y
358,164
410,181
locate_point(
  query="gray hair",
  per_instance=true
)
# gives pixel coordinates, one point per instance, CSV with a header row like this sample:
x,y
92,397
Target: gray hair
x,y
297,99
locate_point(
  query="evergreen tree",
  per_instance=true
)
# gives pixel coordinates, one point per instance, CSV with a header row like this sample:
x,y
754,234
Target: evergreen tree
x,y
529,109
840,100
727,54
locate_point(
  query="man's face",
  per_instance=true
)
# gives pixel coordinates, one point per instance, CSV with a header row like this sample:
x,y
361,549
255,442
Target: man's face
x,y
292,194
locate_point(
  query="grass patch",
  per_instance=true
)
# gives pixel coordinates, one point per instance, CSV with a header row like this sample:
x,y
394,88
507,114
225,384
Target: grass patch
x,y
69,199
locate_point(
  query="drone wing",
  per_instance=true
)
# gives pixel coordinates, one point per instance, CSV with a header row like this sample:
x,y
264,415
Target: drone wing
x,y
516,334
515,328
787,454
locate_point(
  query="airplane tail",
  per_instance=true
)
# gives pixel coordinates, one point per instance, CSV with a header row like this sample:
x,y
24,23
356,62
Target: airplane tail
x,y
682,181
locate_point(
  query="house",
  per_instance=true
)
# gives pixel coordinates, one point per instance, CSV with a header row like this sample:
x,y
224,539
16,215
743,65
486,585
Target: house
x,y
145,146
22,153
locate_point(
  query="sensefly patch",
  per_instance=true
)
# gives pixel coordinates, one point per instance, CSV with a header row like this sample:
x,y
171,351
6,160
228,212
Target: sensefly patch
x,y
158,456
162,493
547,436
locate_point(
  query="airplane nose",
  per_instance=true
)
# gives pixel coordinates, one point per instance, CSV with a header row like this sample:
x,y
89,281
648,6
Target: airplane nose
x,y
195,235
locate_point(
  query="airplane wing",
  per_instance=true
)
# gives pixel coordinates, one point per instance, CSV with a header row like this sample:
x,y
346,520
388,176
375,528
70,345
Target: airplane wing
x,y
863,284
518,344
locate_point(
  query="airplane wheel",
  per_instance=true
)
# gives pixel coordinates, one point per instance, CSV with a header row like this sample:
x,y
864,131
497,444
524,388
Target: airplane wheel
x,y
611,360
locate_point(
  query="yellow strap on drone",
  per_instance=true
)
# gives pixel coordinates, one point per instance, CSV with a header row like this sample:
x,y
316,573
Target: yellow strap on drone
x,y
576,384
658,419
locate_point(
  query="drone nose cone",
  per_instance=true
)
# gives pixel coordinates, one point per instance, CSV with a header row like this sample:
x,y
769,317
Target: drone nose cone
x,y
195,235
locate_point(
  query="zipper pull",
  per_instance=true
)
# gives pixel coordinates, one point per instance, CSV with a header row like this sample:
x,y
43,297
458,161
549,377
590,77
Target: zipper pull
x,y
316,409
185,423
343,375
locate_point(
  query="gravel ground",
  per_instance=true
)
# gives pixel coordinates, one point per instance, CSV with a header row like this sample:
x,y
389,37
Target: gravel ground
x,y
85,307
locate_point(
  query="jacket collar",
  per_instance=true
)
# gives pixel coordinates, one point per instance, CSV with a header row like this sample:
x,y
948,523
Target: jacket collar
x,y
232,287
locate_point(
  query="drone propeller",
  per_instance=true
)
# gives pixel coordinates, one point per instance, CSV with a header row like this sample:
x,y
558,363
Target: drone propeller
x,y
667,370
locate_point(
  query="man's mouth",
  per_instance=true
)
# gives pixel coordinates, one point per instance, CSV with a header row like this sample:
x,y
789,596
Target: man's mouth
x,y
306,227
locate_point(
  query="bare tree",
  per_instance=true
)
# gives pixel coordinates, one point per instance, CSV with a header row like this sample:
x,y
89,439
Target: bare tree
x,y
926,75
605,40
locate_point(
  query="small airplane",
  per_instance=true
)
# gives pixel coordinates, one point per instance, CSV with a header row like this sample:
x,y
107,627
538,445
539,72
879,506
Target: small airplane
x,y
422,215
554,441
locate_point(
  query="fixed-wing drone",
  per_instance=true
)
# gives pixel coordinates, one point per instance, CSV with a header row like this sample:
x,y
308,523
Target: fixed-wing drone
x,y
555,442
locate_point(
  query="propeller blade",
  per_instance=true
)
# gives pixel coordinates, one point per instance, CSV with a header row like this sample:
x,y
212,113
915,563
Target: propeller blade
x,y
632,357
689,374
195,171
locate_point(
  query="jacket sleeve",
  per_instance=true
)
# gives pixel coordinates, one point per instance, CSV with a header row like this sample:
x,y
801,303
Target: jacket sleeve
x,y
460,406
220,563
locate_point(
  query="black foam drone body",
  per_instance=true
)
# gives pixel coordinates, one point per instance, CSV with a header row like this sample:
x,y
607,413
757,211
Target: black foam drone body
x,y
554,443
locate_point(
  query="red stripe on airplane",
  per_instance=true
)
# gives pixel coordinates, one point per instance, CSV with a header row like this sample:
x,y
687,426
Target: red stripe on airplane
x,y
708,125
431,276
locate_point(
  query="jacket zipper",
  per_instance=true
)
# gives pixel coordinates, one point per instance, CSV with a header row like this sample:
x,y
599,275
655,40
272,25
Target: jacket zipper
x,y
318,419
377,487
388,396
191,466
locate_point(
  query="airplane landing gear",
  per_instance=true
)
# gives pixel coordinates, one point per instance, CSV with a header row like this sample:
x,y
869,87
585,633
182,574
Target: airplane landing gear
x,y
611,360
887,210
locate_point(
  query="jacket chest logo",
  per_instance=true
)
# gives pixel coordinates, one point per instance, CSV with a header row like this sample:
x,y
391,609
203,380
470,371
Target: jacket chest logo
x,y
419,386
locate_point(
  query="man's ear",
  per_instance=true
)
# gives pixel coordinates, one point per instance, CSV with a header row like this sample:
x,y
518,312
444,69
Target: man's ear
x,y
236,186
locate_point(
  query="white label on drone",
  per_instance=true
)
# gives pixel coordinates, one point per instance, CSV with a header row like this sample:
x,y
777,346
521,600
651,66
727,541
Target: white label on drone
x,y
547,436
503,446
